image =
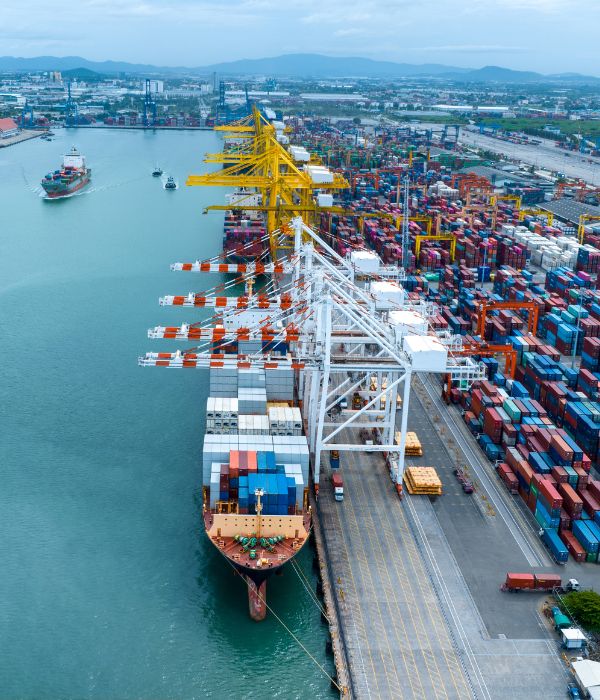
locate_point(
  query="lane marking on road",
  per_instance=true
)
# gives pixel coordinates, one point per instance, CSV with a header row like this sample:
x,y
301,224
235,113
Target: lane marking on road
x,y
493,494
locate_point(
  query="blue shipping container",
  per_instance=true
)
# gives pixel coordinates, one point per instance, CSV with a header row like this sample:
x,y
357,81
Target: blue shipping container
x,y
556,546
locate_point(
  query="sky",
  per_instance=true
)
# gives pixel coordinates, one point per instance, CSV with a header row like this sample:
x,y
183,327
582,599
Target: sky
x,y
542,35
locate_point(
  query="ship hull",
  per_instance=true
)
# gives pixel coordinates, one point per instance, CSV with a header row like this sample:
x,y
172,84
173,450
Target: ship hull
x,y
256,577
66,191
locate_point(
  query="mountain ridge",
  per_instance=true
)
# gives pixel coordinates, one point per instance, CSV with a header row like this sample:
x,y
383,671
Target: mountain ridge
x,y
300,65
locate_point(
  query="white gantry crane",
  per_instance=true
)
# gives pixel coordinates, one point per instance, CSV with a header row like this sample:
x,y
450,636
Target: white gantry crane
x,y
349,335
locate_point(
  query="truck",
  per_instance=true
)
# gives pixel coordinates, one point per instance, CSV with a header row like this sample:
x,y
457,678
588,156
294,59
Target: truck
x,y
466,483
516,582
357,401
366,437
338,486
334,459
561,621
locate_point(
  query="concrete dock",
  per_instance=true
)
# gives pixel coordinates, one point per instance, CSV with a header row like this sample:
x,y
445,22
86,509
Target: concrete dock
x,y
415,583
397,642
21,136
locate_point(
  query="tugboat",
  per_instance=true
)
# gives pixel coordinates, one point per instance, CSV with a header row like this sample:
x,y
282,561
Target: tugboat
x,y
72,176
157,172
170,184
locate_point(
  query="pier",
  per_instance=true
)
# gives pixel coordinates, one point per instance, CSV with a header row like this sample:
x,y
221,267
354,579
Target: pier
x,y
394,636
411,586
21,136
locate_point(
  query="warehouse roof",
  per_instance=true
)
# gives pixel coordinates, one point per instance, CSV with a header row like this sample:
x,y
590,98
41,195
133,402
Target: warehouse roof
x,y
8,124
569,210
494,174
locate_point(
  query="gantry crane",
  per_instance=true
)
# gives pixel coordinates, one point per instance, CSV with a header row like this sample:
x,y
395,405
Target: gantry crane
x,y
585,192
338,336
474,348
533,211
436,237
530,306
149,105
516,198
262,164
469,211
71,110
583,219
471,186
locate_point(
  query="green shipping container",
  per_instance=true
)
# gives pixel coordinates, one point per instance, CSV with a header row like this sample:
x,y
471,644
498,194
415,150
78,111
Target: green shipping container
x,y
513,412
592,557
572,477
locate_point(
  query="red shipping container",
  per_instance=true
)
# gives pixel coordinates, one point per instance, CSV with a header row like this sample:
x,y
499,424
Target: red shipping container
x,y
572,503
476,396
561,447
492,425
565,520
520,581
593,487
488,388
551,494
509,434
573,545
511,482
560,474
582,477
590,504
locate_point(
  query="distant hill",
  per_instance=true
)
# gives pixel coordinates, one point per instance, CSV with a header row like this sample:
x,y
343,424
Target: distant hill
x,y
46,63
500,75
497,74
301,65
81,74
316,65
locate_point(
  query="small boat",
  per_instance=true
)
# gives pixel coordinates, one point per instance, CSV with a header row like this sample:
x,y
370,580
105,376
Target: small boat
x,y
157,172
170,184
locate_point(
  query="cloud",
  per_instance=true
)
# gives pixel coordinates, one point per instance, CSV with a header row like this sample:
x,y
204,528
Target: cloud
x,y
472,48
197,32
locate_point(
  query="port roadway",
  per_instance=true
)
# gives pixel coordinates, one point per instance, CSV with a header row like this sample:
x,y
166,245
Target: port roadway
x,y
415,583
544,155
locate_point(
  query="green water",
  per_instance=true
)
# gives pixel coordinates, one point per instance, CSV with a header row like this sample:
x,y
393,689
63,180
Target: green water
x,y
108,587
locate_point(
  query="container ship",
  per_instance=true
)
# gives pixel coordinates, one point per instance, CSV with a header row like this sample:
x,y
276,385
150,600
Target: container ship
x,y
255,465
244,232
255,456
71,177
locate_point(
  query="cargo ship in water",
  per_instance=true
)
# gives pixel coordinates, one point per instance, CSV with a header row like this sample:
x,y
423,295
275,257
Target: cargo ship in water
x,y
255,466
255,456
244,231
71,177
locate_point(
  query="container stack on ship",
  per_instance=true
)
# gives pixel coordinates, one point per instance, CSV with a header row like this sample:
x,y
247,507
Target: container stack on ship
x,y
255,472
70,178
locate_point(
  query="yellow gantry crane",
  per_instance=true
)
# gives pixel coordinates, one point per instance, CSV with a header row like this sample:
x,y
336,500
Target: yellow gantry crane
x,y
583,219
507,198
257,162
438,237
532,211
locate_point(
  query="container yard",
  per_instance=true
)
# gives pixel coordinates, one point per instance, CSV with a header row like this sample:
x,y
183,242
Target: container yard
x,y
388,271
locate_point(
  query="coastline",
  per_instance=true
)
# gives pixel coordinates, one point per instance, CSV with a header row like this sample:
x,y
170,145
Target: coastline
x,y
23,136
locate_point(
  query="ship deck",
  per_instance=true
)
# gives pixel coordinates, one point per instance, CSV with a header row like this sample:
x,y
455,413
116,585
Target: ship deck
x,y
265,559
